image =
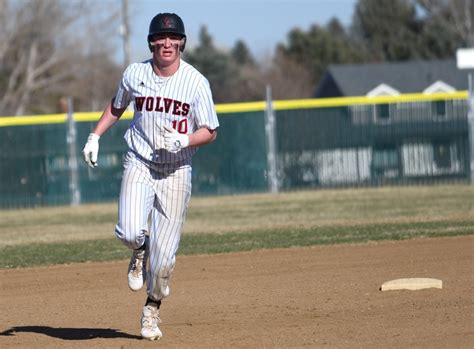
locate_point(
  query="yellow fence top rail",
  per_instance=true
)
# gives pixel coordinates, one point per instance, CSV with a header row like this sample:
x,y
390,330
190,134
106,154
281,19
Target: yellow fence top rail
x,y
249,107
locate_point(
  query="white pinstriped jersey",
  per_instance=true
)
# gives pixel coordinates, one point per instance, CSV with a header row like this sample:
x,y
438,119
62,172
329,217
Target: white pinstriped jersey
x,y
183,101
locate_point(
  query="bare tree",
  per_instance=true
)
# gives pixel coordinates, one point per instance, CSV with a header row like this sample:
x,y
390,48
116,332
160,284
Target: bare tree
x,y
289,79
5,30
455,14
44,50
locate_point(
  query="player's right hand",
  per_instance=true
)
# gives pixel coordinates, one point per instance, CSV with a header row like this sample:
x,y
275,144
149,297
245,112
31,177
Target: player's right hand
x,y
91,150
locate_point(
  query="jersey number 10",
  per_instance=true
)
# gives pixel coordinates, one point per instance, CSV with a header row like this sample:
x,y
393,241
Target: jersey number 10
x,y
181,126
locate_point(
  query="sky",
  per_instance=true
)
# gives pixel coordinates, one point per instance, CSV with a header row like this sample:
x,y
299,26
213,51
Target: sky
x,y
261,24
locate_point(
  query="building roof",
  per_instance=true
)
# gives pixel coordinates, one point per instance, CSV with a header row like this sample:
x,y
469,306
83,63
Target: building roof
x,y
405,77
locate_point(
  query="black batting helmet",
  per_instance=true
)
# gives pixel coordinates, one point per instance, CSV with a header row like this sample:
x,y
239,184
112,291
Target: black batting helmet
x,y
166,23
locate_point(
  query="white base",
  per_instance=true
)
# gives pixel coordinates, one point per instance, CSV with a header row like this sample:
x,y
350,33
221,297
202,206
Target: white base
x,y
411,284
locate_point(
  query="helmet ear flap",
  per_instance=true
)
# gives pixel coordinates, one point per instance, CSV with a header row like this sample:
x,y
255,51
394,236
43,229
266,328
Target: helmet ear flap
x,y
149,43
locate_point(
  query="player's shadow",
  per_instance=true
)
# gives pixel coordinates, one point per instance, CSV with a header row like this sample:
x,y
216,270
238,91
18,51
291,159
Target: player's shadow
x,y
66,333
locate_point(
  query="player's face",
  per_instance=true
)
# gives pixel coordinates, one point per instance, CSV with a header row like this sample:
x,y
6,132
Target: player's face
x,y
166,47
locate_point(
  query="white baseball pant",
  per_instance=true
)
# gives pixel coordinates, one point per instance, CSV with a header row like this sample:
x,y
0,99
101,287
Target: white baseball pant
x,y
157,194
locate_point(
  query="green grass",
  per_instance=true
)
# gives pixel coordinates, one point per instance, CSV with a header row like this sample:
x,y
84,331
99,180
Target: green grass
x,y
111,249
55,235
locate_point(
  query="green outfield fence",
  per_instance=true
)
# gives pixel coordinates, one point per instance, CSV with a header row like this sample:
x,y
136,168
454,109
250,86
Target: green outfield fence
x,y
317,143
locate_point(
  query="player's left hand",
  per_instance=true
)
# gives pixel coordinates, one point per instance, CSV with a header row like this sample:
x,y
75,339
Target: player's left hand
x,y
174,141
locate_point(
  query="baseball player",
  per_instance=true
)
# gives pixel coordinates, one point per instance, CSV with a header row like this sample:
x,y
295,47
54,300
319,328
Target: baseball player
x,y
173,115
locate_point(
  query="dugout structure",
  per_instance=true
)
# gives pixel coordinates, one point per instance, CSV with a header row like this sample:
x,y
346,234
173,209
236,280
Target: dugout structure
x,y
319,143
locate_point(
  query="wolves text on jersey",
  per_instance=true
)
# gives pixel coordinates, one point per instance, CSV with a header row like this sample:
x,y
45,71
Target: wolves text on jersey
x,y
161,104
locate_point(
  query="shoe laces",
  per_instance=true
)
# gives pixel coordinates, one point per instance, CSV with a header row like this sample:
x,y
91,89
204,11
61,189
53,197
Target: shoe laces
x,y
153,319
136,264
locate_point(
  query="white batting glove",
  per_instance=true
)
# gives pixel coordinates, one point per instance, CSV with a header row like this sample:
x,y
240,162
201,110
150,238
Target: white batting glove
x,y
91,150
174,141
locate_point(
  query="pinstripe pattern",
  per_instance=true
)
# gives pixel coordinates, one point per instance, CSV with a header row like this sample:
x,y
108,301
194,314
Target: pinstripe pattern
x,y
156,184
161,192
186,87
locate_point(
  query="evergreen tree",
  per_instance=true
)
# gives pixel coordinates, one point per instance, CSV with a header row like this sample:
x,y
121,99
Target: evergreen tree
x,y
217,66
387,29
397,30
241,54
319,47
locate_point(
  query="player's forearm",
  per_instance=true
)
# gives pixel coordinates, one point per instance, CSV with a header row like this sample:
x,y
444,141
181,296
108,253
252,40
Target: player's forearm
x,y
109,117
202,136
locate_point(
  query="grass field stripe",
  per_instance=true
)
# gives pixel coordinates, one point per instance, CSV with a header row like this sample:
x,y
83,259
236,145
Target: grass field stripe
x,y
249,107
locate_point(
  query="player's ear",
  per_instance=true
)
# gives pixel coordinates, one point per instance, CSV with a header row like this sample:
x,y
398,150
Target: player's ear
x,y
182,44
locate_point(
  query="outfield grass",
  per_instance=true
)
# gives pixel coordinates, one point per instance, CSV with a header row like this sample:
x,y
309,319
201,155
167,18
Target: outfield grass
x,y
235,223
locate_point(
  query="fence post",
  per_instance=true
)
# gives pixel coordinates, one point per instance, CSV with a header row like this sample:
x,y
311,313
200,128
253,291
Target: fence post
x,y
71,138
465,60
470,124
271,142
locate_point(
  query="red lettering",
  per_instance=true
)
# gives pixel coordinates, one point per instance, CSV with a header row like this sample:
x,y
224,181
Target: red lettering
x,y
168,102
149,103
158,104
185,109
176,108
139,103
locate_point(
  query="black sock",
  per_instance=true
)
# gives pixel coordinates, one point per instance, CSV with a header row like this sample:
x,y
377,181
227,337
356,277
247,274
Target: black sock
x,y
152,302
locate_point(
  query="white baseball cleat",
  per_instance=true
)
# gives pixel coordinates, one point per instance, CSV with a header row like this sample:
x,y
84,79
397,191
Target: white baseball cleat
x,y
137,270
150,320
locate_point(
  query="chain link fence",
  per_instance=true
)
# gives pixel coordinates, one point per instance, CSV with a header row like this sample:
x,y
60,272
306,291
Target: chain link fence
x,y
359,141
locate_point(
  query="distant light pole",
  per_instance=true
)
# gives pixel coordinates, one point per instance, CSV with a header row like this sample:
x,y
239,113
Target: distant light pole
x,y
125,33
465,60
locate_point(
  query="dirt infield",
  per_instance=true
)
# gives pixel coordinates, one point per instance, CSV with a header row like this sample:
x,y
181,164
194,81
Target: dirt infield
x,y
324,296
